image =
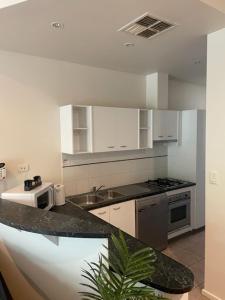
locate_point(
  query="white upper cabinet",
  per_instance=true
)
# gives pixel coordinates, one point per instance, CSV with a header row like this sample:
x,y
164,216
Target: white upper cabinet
x,y
165,125
75,126
172,120
93,129
114,129
126,128
145,129
104,134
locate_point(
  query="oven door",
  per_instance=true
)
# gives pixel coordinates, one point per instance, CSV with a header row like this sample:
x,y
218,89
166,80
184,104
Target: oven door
x,y
179,214
46,199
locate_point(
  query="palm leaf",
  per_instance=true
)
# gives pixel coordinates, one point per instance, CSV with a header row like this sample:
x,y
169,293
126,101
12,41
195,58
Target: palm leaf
x,y
116,278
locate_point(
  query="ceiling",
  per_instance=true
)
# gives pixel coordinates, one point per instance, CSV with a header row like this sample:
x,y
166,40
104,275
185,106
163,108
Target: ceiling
x,y
218,4
90,35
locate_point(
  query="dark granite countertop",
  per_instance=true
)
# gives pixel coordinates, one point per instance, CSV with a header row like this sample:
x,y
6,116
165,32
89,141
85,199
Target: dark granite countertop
x,y
169,277
36,220
71,221
128,192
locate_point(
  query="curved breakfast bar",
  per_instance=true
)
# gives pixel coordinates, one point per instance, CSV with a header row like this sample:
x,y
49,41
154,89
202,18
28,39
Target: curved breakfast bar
x,y
70,221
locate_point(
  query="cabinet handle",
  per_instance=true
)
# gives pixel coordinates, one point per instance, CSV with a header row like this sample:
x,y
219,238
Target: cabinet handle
x,y
102,213
170,136
161,136
111,147
123,146
116,208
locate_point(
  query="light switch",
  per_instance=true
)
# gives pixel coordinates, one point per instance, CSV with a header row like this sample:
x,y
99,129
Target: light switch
x,y
213,177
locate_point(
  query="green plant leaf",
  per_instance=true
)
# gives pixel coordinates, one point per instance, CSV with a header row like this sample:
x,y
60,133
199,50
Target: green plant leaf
x,y
116,277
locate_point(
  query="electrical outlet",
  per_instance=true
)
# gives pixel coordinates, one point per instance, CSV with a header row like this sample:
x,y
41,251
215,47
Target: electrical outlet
x,y
23,168
213,177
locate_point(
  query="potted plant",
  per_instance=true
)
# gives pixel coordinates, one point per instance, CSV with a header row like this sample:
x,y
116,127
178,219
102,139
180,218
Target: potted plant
x,y
117,278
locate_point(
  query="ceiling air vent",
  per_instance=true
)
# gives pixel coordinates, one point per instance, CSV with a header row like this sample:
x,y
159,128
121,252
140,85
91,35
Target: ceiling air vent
x,y
147,26
161,26
147,33
147,21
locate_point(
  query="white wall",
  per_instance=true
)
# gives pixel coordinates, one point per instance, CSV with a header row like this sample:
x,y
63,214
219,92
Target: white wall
x,y
53,271
187,159
32,88
11,274
81,179
177,166
215,149
184,95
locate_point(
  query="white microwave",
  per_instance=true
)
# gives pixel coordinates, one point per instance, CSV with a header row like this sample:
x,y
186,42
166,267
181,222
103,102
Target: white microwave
x,y
41,197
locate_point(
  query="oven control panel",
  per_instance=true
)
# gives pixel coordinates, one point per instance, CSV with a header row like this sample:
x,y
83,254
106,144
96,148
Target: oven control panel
x,y
180,197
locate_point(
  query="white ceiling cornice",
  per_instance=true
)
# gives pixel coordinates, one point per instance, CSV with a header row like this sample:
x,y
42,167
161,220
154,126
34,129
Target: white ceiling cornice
x,y
217,4
6,3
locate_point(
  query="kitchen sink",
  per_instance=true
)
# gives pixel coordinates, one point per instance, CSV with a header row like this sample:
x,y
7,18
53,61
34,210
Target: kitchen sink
x,y
94,198
87,199
110,194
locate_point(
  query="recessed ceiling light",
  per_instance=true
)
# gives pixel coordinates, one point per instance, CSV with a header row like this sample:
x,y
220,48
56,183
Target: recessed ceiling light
x,y
129,44
57,25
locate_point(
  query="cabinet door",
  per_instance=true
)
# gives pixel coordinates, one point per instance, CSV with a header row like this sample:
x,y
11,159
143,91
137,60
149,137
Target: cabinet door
x,y
104,133
171,131
127,128
165,125
122,215
102,213
159,125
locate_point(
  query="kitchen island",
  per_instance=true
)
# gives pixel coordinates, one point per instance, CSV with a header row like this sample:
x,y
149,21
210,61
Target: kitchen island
x,y
50,248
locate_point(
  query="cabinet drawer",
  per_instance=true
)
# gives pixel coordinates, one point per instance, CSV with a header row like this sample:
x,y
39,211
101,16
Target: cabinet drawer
x,y
102,213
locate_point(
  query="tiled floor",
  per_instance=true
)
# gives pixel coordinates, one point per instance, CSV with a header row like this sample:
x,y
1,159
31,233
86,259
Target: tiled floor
x,y
190,251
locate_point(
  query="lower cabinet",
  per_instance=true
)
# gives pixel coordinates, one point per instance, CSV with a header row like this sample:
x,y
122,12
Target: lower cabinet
x,y
102,213
120,215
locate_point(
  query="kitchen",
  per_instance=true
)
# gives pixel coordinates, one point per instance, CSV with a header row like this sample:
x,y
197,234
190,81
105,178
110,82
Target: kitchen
x,y
168,205
161,128
153,126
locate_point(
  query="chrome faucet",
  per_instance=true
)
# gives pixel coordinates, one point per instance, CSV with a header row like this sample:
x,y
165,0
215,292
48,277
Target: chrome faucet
x,y
95,189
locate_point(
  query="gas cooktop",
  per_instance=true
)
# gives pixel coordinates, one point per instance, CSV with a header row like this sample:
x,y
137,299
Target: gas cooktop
x,y
167,183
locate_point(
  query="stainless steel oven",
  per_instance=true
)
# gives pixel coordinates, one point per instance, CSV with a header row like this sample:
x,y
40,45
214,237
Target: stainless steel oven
x,y
179,211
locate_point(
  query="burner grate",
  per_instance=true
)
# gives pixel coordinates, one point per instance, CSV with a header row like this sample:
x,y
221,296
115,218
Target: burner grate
x,y
165,182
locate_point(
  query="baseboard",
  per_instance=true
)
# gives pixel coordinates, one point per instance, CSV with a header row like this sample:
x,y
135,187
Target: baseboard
x,y
185,233
210,295
180,233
